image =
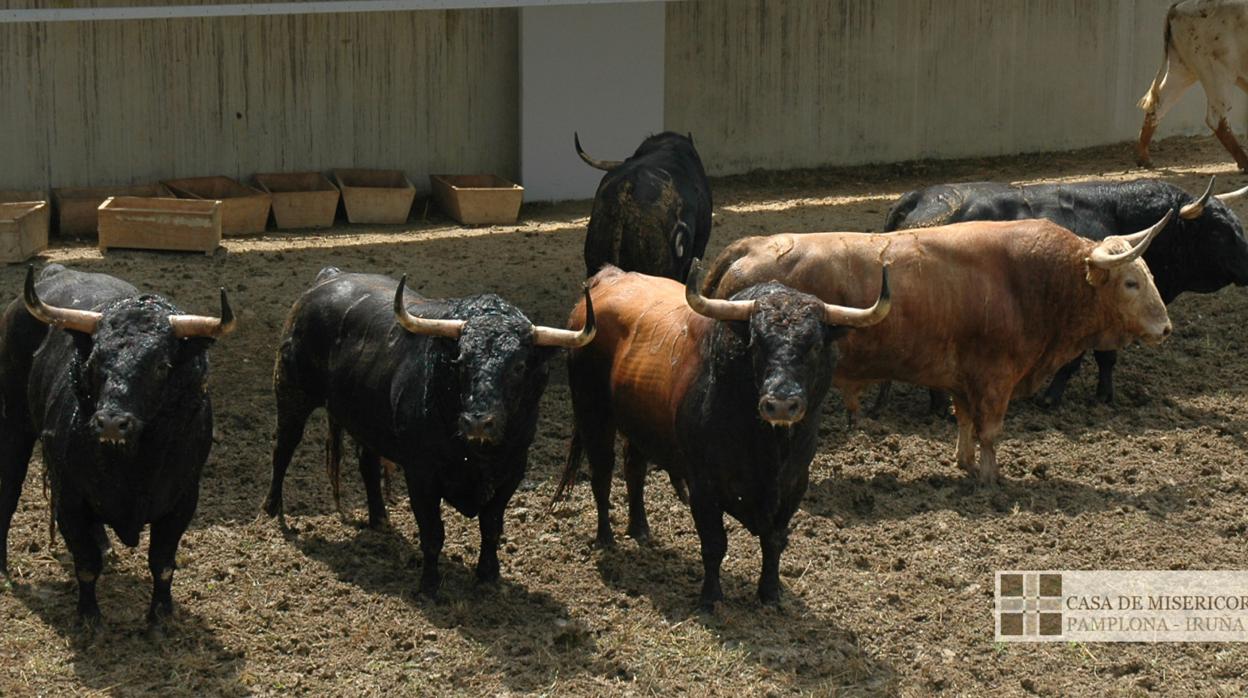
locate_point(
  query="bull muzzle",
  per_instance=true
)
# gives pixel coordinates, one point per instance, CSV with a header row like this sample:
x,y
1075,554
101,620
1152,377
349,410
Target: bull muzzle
x,y
481,427
114,427
782,411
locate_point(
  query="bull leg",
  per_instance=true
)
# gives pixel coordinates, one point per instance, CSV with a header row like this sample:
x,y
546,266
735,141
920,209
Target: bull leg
x,y
773,543
370,472
937,403
491,525
851,392
1227,137
162,554
635,467
15,450
600,448
426,507
1057,387
1158,101
989,417
1105,361
881,399
966,435
292,416
88,561
708,519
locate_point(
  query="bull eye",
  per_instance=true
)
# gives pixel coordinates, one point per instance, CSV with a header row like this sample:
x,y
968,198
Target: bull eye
x,y
1132,284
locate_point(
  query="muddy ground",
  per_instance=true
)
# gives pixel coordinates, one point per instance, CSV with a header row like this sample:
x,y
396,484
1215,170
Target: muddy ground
x,y
888,579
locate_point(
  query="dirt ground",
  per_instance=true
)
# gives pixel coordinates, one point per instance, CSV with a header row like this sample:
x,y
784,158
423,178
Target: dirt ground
x,y
887,583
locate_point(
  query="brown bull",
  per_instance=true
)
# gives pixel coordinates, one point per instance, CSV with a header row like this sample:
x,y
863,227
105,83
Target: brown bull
x,y
983,310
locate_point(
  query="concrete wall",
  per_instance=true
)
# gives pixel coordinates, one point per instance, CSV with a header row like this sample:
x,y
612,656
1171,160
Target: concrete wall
x,y
801,83
95,103
760,83
593,69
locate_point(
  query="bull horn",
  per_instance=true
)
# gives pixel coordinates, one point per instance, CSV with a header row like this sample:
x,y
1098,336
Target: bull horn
x,y
420,325
1137,242
1232,196
715,309
68,318
185,326
1197,207
568,339
604,165
861,317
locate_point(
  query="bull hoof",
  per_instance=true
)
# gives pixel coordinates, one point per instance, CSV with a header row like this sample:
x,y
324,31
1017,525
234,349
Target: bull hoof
x,y
381,525
429,587
1144,161
604,542
988,480
640,534
769,598
488,574
1105,396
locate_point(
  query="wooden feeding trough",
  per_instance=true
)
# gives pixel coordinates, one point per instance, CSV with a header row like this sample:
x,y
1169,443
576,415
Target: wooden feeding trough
x,y
77,208
23,229
478,199
183,225
244,210
375,196
301,199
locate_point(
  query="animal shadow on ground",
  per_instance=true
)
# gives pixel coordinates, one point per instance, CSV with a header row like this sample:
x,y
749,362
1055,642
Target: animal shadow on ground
x,y
122,656
881,496
531,635
792,640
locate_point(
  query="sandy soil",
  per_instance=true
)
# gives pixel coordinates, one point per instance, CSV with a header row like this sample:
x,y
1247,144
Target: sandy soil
x,y
888,580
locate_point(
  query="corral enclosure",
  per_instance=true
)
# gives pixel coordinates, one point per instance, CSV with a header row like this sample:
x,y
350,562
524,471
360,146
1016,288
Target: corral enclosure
x,y
888,579
762,84
887,582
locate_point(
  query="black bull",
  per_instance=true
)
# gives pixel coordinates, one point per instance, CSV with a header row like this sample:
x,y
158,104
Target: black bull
x,y
448,390
1201,251
652,212
120,400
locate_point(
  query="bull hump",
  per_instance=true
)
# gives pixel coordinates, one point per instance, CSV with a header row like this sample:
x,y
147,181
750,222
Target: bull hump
x,y
780,245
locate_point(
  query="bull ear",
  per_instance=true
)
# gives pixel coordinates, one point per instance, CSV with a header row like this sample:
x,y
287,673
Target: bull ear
x,y
680,240
192,347
83,342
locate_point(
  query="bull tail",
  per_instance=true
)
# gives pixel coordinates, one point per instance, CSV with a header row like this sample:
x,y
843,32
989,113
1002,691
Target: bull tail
x,y
1149,101
570,469
333,465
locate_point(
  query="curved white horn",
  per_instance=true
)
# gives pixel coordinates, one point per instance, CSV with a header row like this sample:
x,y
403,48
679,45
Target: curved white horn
x,y
1232,196
713,308
69,318
1103,258
420,325
205,325
862,317
569,339
1197,207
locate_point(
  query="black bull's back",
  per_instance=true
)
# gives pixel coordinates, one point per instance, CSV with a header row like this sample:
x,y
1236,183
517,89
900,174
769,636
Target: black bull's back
x,y
652,213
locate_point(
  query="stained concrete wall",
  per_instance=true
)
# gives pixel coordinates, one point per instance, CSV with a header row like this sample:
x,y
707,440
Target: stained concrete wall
x,y
801,83
760,83
96,103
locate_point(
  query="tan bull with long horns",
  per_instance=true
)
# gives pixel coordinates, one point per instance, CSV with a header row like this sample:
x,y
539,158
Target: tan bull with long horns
x,y
984,310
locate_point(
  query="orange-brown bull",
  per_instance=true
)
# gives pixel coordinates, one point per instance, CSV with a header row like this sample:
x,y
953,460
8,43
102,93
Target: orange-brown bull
x,y
984,310
716,392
